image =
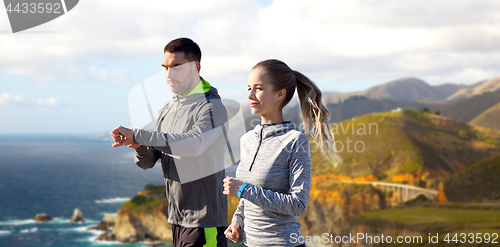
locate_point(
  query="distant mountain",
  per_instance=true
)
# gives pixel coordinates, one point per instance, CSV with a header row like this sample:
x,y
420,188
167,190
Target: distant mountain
x,y
411,146
445,90
467,109
476,89
407,89
489,118
360,105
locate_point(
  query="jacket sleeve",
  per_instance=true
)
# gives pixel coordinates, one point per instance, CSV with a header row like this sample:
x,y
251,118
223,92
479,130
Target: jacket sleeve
x,y
295,201
239,214
207,128
145,157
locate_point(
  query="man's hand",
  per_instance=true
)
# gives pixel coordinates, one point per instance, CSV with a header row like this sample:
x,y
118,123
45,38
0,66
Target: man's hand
x,y
231,186
233,232
123,136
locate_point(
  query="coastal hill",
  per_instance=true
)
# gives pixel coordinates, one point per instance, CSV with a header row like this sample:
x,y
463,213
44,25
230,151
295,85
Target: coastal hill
x,y
408,146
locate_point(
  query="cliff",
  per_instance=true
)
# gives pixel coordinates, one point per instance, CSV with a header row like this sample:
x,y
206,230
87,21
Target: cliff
x,y
143,218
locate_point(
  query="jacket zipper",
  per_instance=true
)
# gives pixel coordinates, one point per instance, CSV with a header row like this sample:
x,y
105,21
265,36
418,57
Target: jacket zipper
x,y
175,117
256,152
170,199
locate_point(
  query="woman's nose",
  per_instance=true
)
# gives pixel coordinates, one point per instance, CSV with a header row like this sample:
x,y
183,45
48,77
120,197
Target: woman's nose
x,y
251,94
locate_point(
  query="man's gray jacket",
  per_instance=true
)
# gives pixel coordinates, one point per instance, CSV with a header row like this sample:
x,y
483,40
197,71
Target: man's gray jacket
x,y
189,140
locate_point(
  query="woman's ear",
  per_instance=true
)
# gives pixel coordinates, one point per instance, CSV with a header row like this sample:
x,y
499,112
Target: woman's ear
x,y
281,94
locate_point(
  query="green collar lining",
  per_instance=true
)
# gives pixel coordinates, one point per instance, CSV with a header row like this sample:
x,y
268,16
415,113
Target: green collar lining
x,y
202,87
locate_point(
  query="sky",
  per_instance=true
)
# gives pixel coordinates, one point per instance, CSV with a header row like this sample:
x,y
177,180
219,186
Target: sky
x,y
74,74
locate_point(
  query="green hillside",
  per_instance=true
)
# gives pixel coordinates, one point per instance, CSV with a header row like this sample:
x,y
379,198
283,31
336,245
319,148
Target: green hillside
x,y
476,183
489,119
423,145
466,110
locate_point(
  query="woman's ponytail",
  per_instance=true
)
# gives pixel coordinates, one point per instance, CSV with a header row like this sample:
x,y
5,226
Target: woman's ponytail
x,y
315,116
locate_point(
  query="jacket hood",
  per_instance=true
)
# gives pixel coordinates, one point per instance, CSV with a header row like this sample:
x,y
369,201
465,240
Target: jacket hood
x,y
274,129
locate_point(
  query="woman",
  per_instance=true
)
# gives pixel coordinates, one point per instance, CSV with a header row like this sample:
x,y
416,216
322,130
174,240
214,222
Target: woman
x,y
273,178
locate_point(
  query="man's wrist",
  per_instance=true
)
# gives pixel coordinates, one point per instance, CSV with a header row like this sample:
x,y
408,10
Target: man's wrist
x,y
134,132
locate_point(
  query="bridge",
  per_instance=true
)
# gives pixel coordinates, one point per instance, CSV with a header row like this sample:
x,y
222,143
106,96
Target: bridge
x,y
404,192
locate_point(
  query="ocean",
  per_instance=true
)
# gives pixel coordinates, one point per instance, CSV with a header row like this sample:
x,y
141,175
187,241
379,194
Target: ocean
x,y
55,174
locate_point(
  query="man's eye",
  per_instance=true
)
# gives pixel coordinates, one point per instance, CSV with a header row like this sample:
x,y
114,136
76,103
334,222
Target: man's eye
x,y
176,68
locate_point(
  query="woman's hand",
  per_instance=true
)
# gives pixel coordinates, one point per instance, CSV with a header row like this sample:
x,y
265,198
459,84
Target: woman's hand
x,y
231,186
233,232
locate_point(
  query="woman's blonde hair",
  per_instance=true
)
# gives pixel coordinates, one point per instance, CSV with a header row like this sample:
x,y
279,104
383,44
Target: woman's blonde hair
x,y
314,113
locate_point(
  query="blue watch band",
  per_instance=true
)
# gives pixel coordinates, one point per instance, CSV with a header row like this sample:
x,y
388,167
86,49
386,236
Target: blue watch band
x,y
242,188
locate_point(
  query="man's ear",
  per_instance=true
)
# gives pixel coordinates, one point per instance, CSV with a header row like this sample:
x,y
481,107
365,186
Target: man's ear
x,y
198,66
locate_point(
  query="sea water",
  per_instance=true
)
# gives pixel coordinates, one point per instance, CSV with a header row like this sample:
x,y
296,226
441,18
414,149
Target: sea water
x,y
55,174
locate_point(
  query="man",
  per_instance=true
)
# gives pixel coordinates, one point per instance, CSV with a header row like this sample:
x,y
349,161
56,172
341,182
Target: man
x,y
189,142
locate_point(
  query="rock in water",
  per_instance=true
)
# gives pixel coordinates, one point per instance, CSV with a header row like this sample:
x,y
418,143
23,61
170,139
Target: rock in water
x,y
107,222
43,218
77,216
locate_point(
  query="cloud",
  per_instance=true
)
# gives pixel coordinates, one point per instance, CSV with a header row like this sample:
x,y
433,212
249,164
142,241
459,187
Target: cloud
x,y
329,40
8,99
465,76
49,102
108,75
398,14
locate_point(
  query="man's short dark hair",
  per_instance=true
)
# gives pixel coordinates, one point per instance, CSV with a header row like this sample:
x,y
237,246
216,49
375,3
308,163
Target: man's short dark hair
x,y
190,49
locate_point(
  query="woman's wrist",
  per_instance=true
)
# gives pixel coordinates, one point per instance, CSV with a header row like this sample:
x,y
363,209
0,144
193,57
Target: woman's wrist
x,y
242,188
